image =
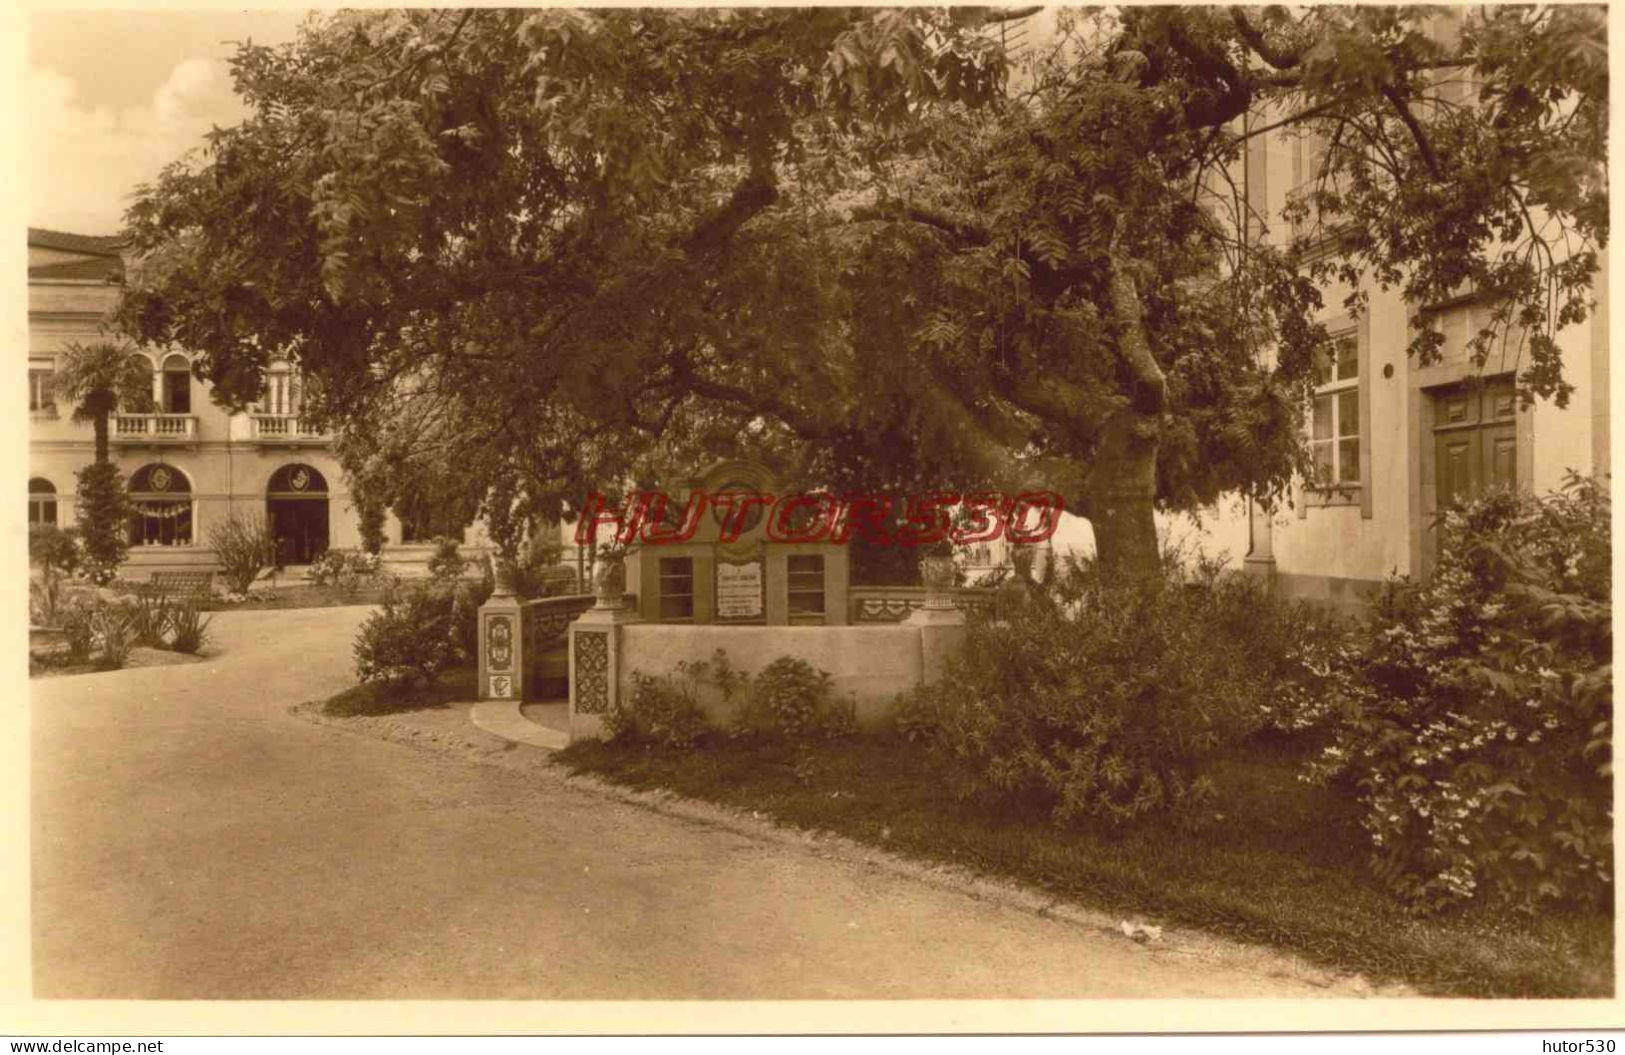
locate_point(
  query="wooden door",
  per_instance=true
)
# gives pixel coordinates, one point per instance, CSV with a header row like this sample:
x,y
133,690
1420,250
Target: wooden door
x,y
1475,444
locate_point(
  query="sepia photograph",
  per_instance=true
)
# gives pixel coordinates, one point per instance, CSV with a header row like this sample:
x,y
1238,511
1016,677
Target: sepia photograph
x,y
815,519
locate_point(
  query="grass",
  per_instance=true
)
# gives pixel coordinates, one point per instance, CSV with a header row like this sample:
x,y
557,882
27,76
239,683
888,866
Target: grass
x,y
300,595
1277,861
454,685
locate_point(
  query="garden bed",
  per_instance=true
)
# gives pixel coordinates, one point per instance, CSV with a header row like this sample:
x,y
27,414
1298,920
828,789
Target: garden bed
x,y
139,657
299,595
1275,861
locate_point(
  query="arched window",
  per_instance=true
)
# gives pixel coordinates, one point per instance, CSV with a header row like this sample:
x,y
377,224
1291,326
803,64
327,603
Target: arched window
x,y
296,481
177,385
41,501
280,394
161,504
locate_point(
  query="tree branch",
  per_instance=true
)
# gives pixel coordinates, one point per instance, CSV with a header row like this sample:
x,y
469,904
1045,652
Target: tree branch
x,y
1423,147
1255,39
961,230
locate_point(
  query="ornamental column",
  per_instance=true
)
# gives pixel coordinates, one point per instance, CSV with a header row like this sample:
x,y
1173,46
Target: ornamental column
x,y
502,642
595,652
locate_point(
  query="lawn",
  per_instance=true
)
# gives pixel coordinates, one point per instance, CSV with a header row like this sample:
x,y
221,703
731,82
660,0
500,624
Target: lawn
x,y
1276,861
300,595
454,685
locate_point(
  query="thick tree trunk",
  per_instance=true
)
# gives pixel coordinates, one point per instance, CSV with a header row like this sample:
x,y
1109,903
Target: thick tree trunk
x,y
102,445
1120,496
1121,487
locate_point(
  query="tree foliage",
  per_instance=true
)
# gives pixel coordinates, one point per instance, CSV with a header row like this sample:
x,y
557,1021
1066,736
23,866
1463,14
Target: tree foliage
x,y
522,253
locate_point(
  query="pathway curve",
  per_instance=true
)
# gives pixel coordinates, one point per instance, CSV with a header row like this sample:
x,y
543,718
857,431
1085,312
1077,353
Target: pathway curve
x,y
192,839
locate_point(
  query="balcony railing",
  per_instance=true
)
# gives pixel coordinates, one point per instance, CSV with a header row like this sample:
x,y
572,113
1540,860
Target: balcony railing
x,y
160,428
285,427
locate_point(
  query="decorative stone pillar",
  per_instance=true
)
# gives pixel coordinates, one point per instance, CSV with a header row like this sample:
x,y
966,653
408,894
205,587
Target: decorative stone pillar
x,y
940,621
502,642
595,650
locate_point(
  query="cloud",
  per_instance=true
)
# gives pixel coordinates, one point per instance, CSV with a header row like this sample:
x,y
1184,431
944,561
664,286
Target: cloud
x,y
84,161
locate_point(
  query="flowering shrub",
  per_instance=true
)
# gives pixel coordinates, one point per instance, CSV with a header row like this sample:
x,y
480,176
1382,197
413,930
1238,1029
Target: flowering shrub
x,y
791,698
1102,697
1476,721
409,639
348,570
663,710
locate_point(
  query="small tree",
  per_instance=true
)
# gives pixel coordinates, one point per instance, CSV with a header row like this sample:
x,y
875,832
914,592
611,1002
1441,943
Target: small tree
x,y
104,511
243,545
371,523
56,551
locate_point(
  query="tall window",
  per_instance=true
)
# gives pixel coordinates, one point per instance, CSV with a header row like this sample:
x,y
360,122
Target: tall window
x,y
1334,438
161,507
281,391
177,386
41,501
41,398
676,588
806,580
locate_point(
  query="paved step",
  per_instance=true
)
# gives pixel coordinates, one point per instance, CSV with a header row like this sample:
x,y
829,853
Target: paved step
x,y
503,718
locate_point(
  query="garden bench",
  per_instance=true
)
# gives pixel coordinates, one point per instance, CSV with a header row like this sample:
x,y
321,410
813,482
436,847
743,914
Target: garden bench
x,y
193,585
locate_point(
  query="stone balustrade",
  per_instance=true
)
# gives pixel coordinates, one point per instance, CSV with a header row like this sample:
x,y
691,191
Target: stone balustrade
x,y
149,428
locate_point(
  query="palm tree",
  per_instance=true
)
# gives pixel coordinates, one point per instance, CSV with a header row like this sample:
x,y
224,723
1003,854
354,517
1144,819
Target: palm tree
x,y
97,379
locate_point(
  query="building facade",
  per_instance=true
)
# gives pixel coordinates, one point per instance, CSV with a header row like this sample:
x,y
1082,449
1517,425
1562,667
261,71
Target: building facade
x,y
1395,442
189,463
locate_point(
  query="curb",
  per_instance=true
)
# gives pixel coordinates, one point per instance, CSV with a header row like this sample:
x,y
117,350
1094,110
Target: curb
x,y
503,718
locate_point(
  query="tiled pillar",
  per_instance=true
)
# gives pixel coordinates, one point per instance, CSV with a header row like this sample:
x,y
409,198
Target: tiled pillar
x,y
595,649
502,643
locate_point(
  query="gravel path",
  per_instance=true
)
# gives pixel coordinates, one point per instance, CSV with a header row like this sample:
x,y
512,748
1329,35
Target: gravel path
x,y
193,839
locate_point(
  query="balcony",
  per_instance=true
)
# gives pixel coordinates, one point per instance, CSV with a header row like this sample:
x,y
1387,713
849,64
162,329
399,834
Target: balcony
x,y
155,429
287,429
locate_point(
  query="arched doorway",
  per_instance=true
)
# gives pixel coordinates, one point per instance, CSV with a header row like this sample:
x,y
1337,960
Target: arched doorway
x,y
296,512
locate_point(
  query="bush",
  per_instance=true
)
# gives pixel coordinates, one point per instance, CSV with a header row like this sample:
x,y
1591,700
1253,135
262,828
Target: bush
x,y
1476,718
79,630
244,546
663,711
536,572
190,628
1104,697
448,563
111,625
53,549
104,511
348,570
409,639
789,698
465,615
916,715
149,616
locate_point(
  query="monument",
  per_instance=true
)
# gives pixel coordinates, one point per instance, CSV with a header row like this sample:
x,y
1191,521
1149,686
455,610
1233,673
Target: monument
x,y
748,580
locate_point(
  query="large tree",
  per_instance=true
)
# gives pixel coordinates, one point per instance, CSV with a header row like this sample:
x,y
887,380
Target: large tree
x,y
550,248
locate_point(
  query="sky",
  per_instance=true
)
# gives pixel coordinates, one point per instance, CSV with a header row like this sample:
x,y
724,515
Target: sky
x,y
113,96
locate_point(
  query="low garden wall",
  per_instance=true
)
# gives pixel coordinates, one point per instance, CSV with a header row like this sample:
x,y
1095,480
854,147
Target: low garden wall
x,y
868,665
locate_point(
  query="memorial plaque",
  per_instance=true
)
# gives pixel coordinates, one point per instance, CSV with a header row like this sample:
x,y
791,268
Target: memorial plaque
x,y
739,591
